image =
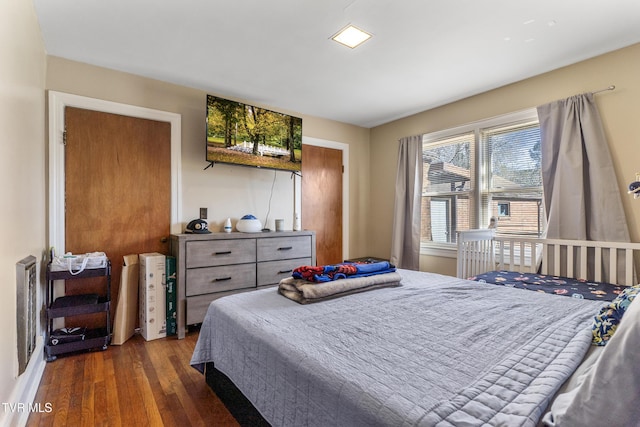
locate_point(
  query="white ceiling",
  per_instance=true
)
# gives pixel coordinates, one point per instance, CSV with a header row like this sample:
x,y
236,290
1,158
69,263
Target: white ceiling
x,y
278,53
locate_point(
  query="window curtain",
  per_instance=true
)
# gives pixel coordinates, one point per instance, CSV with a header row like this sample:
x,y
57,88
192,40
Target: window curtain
x,y
405,245
581,192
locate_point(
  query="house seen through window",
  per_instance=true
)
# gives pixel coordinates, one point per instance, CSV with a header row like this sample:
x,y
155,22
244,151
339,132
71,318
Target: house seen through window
x,y
483,170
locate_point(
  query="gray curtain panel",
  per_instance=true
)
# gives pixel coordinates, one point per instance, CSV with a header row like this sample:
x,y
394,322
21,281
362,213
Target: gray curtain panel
x,y
581,192
405,245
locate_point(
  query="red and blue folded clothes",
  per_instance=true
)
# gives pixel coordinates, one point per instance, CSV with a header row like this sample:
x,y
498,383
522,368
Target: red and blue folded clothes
x,y
345,270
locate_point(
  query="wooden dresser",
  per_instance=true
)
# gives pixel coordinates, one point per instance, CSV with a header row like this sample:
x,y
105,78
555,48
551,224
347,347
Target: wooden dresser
x,y
210,266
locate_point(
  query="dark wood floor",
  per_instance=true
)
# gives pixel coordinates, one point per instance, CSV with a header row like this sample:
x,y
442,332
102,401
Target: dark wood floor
x,y
140,383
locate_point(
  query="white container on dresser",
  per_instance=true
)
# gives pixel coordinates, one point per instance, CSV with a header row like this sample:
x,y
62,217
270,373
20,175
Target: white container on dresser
x,y
210,266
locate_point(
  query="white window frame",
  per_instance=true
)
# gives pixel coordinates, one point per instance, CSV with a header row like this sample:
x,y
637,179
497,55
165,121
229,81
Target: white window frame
x,y
448,250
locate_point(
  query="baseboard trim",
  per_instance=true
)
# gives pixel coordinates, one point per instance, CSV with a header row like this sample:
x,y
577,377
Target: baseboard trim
x,y
25,389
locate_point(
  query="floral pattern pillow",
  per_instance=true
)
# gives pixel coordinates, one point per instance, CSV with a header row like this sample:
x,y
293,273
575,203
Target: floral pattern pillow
x,y
607,320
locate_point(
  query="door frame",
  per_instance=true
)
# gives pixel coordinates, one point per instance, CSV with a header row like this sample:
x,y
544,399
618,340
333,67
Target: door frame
x,y
345,185
58,101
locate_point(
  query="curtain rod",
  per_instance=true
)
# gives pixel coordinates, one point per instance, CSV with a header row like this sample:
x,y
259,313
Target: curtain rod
x,y
612,87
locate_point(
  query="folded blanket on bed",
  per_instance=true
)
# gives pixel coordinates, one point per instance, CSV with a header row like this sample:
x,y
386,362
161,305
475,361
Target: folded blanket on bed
x,y
346,270
305,292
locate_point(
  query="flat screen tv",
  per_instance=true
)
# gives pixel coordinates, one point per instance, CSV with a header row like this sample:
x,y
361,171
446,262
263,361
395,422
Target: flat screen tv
x,y
245,135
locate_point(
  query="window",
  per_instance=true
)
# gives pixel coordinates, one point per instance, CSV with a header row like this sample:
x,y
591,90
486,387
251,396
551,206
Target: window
x,y
503,209
485,170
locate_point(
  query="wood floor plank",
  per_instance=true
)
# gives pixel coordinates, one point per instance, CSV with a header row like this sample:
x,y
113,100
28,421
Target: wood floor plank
x,y
89,377
209,406
74,417
165,378
87,404
146,402
100,414
42,396
110,394
163,398
200,393
139,383
126,395
62,401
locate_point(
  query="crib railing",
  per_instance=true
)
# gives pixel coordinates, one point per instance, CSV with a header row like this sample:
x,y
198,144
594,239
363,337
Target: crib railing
x,y
480,251
476,252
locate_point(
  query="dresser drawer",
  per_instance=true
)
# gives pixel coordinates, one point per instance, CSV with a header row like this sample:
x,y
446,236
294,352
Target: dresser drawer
x,y
197,306
277,248
271,272
217,279
209,253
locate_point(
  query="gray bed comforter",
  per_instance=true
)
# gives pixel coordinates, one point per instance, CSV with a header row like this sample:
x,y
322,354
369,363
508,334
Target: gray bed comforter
x,y
437,351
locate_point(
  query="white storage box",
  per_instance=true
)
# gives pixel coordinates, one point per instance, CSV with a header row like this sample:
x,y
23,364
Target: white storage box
x,y
153,321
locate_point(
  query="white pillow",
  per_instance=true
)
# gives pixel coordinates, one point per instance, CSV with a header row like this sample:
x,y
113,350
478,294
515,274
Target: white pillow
x,y
609,392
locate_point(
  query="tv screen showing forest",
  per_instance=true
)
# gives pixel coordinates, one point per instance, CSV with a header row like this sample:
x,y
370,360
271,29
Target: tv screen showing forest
x,y
246,135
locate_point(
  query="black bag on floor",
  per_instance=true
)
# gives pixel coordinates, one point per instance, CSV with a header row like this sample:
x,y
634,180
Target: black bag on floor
x,y
65,335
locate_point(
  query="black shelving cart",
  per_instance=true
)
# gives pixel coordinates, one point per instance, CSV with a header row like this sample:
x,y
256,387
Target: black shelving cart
x,y
73,305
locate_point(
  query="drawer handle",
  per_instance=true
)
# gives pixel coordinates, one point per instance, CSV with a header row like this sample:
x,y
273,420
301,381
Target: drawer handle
x,y
221,279
285,248
284,271
222,253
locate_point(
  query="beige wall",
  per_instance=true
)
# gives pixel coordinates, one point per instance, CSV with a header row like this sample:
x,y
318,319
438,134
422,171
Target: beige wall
x,y
227,191
620,111
22,173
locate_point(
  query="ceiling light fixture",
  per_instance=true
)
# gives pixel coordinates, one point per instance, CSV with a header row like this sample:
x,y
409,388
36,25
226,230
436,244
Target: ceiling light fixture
x,y
351,36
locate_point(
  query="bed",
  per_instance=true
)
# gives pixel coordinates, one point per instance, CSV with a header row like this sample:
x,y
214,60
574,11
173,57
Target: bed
x,y
436,350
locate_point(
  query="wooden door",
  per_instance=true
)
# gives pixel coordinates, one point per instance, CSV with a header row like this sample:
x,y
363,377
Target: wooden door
x,y
117,189
322,200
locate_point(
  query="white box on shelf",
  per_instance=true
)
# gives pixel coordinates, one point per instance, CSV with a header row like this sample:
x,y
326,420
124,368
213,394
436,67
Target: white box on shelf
x,y
153,322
